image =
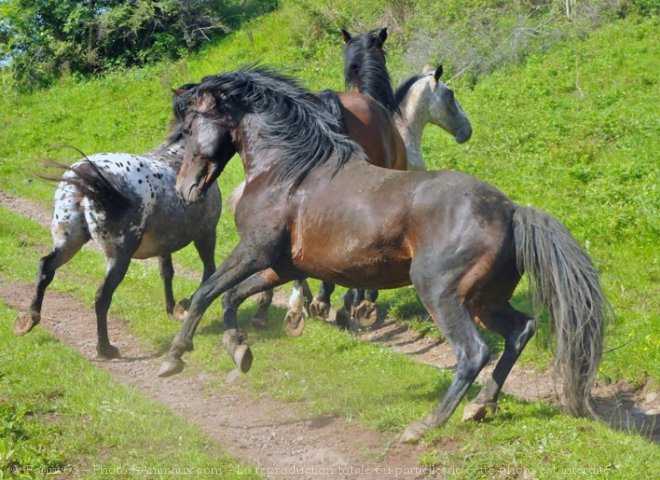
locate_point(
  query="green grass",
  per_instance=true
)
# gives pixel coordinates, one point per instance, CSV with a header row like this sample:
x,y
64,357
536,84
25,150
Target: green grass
x,y
59,415
572,130
324,372
537,136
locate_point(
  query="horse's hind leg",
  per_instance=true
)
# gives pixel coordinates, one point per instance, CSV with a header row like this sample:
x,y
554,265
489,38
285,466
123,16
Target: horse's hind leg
x,y
320,306
115,272
68,239
453,317
166,274
294,321
365,310
516,328
264,300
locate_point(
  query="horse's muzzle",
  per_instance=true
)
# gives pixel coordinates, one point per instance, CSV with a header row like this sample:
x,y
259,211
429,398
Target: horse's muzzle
x,y
464,134
189,193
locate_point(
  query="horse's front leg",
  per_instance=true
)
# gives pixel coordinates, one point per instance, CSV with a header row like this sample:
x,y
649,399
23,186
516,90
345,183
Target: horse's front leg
x,y
233,339
166,275
205,246
238,266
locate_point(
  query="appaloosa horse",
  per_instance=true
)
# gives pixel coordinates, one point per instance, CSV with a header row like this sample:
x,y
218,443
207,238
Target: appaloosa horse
x,y
461,242
127,204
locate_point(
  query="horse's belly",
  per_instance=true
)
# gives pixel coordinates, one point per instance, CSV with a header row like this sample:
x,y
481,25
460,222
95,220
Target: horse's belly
x,y
376,276
157,245
355,268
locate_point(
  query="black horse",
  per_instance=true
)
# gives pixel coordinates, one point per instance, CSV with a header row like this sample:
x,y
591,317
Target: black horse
x,y
314,207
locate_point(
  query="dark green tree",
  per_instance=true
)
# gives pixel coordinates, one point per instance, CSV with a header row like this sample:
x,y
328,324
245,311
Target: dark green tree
x,y
41,39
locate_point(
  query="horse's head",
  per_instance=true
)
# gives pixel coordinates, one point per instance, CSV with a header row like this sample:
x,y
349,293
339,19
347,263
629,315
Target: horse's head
x,y
365,69
444,109
206,130
372,41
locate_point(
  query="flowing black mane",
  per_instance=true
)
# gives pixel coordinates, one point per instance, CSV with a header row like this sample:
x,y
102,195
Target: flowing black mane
x,y
305,128
403,89
366,70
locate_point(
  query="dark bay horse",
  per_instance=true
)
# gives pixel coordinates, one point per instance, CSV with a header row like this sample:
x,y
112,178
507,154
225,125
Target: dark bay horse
x,y
314,207
367,113
365,72
419,100
127,204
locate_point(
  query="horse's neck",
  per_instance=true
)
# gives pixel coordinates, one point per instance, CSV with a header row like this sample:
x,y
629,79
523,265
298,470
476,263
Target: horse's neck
x,y
170,153
410,122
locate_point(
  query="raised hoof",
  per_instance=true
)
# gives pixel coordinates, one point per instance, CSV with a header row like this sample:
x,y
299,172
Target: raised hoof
x,y
26,322
413,433
319,309
366,313
171,366
234,342
181,309
243,358
476,412
294,323
107,351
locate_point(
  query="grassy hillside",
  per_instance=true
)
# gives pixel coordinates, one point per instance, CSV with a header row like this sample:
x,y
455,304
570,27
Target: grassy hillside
x,y
573,129
565,119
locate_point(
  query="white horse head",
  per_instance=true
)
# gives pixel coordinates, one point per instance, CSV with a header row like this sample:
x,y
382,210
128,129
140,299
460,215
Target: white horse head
x,y
424,99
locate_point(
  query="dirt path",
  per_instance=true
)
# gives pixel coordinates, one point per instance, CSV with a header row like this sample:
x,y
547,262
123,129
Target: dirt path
x,y
271,435
267,434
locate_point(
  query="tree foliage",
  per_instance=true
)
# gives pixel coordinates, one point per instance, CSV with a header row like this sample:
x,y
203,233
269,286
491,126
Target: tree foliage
x,y
41,39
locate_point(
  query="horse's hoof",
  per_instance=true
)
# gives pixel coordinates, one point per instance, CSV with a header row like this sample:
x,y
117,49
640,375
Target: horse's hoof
x,y
476,412
319,309
107,351
26,322
171,366
342,319
413,433
294,323
243,358
366,313
234,342
181,309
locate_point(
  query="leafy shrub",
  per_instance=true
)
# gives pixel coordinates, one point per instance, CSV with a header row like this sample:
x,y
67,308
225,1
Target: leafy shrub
x,y
42,39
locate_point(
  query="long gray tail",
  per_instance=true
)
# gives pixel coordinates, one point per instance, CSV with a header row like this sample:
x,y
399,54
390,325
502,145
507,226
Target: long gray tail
x,y
565,281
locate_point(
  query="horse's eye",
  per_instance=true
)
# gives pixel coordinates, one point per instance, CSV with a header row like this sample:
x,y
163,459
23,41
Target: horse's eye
x,y
186,131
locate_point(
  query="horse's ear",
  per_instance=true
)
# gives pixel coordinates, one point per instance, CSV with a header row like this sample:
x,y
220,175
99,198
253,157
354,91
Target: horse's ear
x,y
346,35
428,68
177,92
382,36
438,73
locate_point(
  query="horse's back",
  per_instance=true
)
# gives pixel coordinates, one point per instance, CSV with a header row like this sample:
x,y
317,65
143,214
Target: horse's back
x,y
371,126
363,231
155,217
